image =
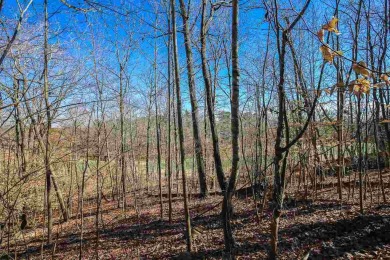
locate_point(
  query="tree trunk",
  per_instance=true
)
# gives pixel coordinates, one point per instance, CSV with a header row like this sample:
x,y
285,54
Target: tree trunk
x,y
169,166
158,133
122,136
227,199
148,144
48,118
194,103
209,99
180,128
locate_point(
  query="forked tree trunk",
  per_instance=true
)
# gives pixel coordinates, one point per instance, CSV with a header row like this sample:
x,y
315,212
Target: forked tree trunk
x,y
282,131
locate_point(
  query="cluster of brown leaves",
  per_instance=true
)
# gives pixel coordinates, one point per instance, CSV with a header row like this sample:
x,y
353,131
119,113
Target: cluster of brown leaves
x,y
359,86
327,53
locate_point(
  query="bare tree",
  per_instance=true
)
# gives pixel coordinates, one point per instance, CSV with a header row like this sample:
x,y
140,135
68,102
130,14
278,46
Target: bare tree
x,y
180,126
194,102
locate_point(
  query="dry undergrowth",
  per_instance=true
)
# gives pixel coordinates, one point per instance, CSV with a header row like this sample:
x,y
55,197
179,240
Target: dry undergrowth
x,y
332,230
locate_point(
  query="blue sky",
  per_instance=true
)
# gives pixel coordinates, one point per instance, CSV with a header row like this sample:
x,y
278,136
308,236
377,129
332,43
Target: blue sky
x,y
70,29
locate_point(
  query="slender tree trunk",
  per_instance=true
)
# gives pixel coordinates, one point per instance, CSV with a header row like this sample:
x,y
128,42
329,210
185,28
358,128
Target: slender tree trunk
x,y
234,103
86,165
209,99
340,114
122,136
360,154
169,166
19,132
281,153
48,118
194,103
175,145
279,156
158,134
180,128
42,145
148,144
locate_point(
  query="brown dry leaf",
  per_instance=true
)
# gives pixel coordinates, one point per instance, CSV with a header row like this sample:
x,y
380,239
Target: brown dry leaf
x,y
379,85
360,86
340,84
328,54
385,78
320,35
331,26
361,68
385,121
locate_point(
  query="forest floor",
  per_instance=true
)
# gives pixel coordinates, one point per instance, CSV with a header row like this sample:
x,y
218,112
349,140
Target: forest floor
x,y
332,230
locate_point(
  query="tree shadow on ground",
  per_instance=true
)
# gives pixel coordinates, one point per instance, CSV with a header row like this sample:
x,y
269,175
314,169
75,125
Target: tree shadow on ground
x,y
362,233
192,195
124,233
241,249
312,208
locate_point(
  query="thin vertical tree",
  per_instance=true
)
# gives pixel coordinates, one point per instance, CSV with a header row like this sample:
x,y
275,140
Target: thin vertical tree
x,y
158,137
48,126
180,127
169,165
281,152
235,124
193,100
205,22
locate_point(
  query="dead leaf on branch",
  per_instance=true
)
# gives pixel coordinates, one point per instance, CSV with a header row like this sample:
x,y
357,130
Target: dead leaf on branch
x,y
361,68
328,54
360,86
331,26
320,35
385,78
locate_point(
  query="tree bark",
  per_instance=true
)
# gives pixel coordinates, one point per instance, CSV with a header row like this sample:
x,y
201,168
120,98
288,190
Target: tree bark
x,y
194,103
180,128
209,99
122,136
158,133
169,164
234,104
48,118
